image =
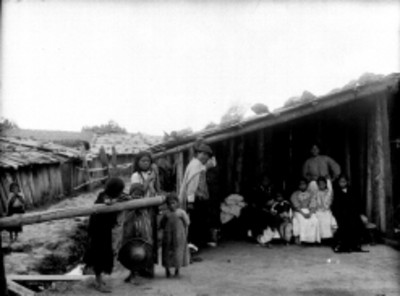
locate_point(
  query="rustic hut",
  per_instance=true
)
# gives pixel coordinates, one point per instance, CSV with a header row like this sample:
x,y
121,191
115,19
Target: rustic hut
x,y
359,126
44,172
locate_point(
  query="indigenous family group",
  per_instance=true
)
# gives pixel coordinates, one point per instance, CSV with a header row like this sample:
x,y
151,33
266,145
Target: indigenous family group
x,y
322,209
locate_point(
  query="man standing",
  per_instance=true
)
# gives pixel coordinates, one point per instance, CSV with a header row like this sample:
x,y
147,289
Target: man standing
x,y
320,166
194,195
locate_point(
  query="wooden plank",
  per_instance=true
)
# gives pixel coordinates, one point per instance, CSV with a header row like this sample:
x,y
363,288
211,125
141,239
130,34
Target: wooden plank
x,y
260,152
18,289
231,165
46,278
39,217
179,170
3,281
239,164
384,172
324,103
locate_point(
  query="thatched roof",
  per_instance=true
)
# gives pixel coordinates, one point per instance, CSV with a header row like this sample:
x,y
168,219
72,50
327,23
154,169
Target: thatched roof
x,y
17,153
366,85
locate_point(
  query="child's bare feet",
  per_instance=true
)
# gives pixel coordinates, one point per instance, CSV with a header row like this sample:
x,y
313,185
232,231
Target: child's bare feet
x,y
102,287
130,279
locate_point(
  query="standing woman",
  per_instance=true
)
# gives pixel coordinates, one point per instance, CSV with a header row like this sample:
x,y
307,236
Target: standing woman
x,y
145,173
347,214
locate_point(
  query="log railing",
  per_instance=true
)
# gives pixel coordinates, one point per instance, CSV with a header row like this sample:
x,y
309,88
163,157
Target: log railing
x,y
39,217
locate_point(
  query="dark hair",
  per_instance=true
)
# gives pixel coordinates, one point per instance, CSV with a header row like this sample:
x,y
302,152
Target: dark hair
x,y
86,145
137,188
172,197
138,157
114,187
302,180
12,185
318,144
322,179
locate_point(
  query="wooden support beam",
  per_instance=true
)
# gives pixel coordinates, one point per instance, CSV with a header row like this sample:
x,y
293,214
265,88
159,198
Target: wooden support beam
x,y
379,179
260,152
3,282
230,166
239,164
18,289
39,217
179,170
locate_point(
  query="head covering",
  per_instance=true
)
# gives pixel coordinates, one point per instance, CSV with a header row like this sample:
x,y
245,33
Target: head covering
x,y
204,148
114,187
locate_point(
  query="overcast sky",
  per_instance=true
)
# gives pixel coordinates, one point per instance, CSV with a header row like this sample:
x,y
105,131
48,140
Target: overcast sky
x,y
156,66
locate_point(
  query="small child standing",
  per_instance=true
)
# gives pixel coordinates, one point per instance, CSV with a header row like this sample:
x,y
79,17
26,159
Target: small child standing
x,y
16,205
174,223
100,253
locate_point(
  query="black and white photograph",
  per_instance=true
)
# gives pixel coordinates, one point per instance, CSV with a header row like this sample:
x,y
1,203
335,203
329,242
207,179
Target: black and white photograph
x,y
200,148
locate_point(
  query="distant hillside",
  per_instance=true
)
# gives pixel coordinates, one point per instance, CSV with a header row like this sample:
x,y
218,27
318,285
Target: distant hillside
x,y
71,139
124,143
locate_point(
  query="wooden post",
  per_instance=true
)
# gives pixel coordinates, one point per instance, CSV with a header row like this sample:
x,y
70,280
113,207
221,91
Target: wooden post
x,y
383,152
179,170
230,166
239,165
260,152
379,198
3,282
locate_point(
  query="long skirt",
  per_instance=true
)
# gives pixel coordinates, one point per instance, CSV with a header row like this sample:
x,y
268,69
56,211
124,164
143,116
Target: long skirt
x,y
306,229
140,224
175,252
327,224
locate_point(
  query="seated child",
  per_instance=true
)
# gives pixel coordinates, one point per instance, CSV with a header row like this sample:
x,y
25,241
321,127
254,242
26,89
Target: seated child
x,y
174,223
16,205
100,253
283,212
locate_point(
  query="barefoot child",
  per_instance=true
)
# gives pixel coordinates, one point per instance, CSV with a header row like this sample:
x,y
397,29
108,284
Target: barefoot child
x,y
174,223
16,205
100,254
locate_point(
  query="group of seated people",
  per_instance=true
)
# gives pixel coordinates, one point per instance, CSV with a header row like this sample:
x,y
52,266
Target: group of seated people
x,y
313,214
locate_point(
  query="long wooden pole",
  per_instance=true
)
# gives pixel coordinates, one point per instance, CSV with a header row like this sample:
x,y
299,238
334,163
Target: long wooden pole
x,y
39,217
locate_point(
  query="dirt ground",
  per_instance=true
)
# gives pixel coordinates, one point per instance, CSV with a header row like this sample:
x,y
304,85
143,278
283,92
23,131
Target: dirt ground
x,y
233,268
239,268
